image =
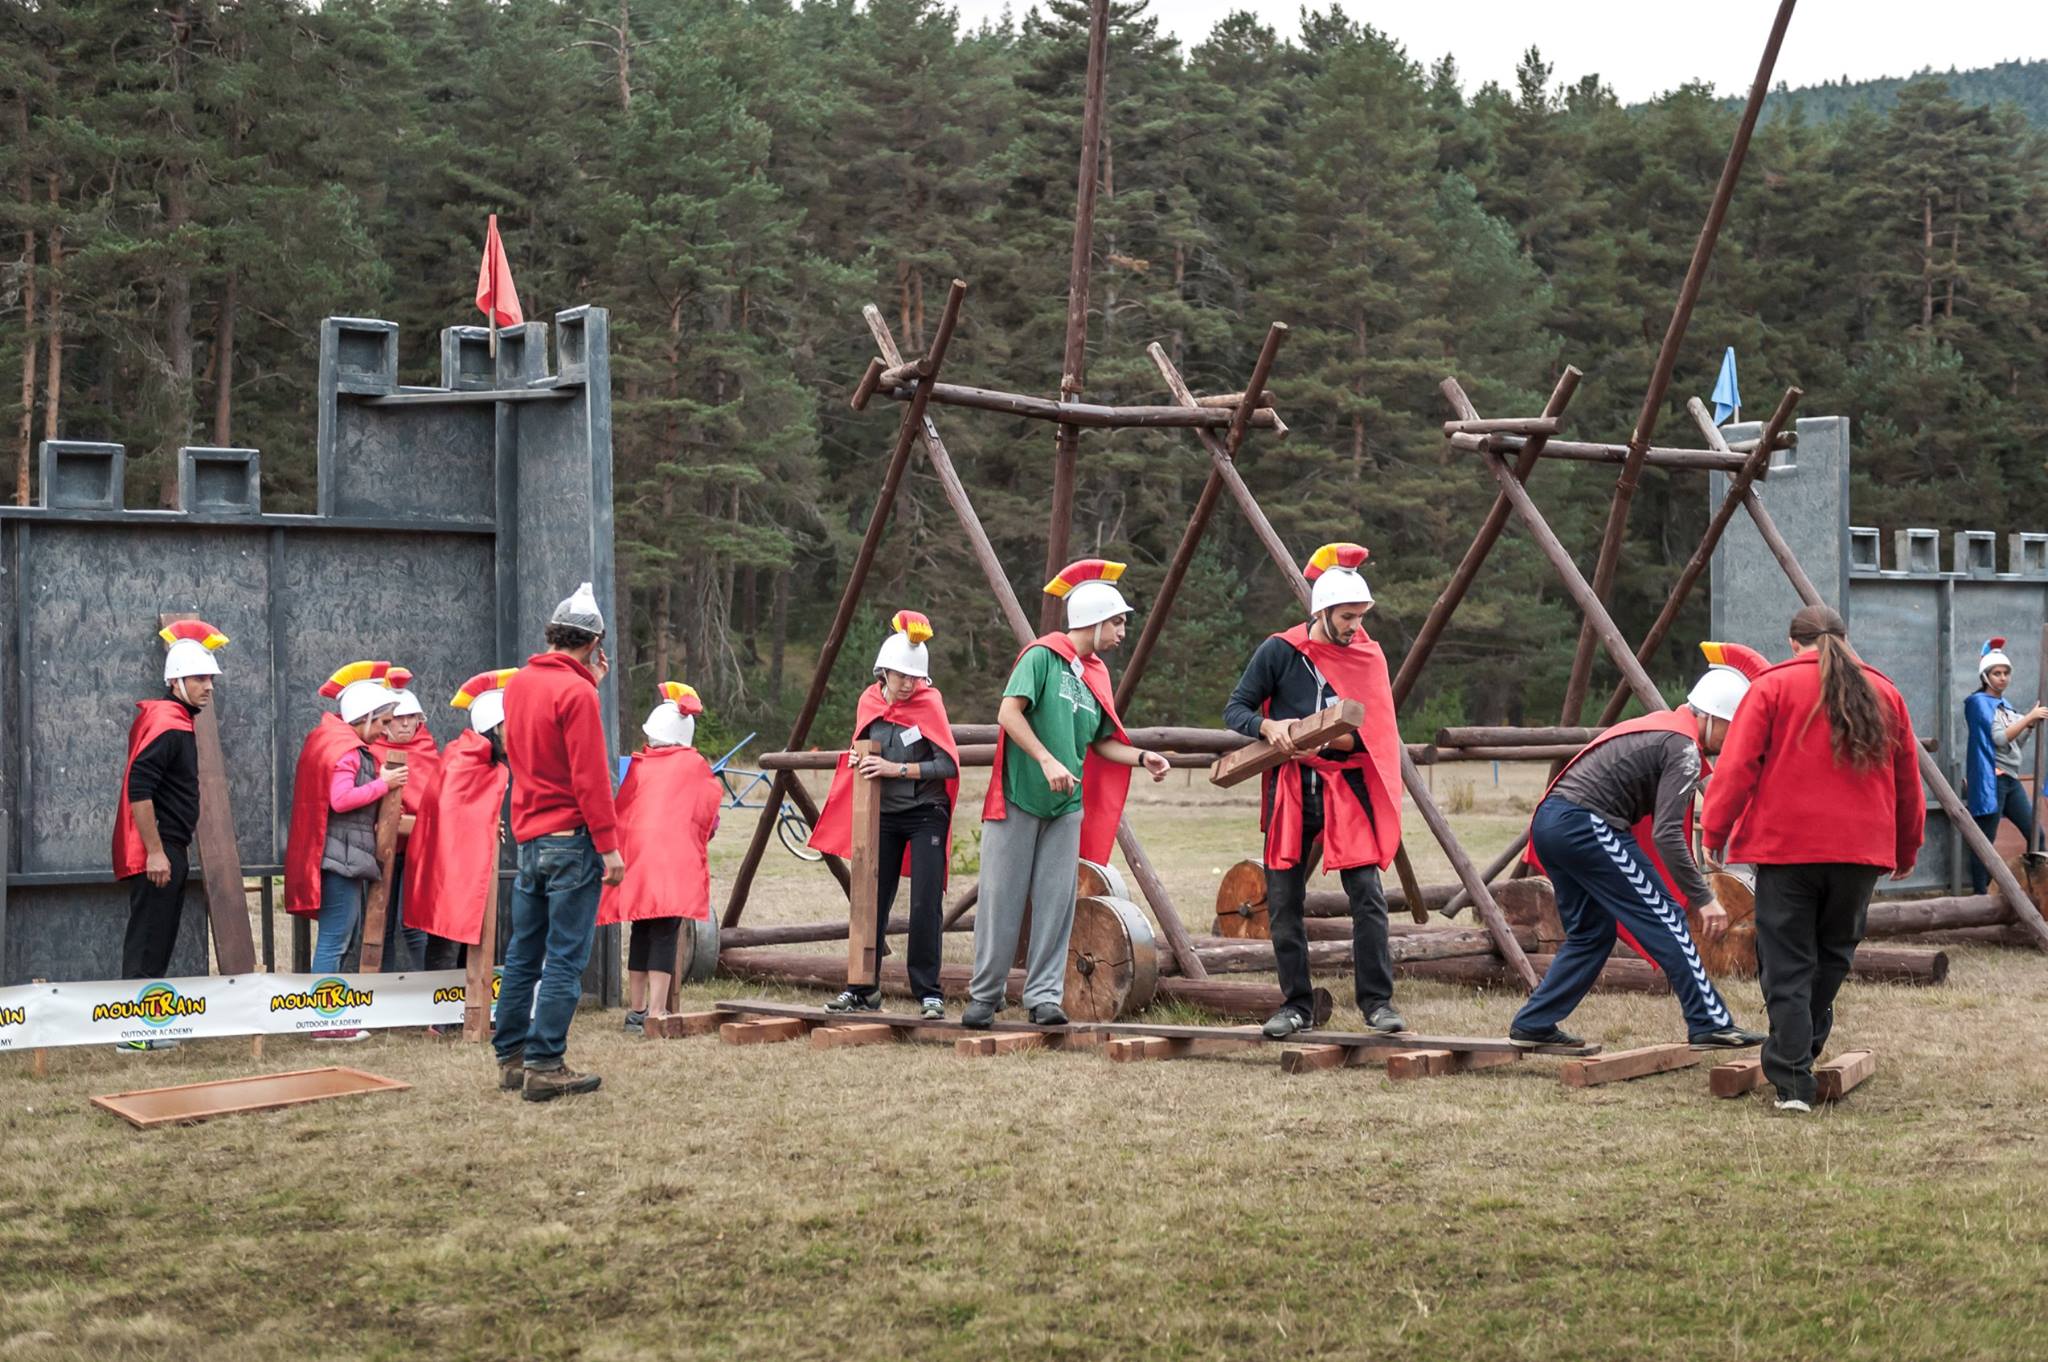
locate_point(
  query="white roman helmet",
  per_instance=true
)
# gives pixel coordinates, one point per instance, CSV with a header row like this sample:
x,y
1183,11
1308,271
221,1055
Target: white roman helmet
x,y
360,690
904,650
1994,656
483,695
1333,577
1087,588
400,681
192,645
579,610
1721,687
673,722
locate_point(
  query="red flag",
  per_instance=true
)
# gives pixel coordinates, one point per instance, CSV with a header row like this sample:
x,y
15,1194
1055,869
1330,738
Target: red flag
x,y
496,295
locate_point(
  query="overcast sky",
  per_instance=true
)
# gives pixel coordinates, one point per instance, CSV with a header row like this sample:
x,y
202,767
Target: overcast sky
x,y
1644,47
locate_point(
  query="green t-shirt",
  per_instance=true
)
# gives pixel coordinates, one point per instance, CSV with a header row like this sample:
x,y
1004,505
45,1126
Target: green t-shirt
x,y
1065,716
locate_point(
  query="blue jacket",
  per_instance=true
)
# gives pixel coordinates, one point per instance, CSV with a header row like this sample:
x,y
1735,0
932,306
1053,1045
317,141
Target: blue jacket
x,y
1978,768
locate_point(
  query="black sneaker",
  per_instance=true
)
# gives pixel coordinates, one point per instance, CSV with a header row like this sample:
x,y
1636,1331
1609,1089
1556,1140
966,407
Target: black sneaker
x,y
934,1009
1728,1038
1529,1037
636,1021
979,1016
1048,1014
1285,1023
856,1000
1386,1020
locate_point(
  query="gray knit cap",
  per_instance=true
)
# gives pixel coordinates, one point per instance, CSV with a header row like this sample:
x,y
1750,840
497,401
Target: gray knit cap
x,y
580,611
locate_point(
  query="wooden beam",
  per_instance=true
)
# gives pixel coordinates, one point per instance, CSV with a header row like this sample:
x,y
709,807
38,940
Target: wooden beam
x,y
220,860
1625,1064
1834,1079
1504,425
1088,415
389,810
1003,1043
480,966
845,1037
682,1025
1736,1077
1582,451
767,1031
864,936
1312,733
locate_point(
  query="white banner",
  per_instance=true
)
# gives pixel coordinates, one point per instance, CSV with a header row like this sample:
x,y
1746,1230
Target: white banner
x,y
41,1016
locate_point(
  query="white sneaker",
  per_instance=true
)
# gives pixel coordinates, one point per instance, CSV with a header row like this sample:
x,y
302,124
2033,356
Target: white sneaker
x,y
1793,1104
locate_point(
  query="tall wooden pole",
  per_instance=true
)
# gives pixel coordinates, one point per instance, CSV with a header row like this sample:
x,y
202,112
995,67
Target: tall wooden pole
x,y
1667,360
1066,440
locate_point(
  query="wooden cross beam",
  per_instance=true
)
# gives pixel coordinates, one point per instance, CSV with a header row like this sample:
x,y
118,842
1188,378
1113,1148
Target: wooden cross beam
x,y
220,860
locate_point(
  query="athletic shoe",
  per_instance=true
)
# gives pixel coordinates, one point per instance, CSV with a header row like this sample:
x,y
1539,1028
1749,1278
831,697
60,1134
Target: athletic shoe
x,y
1386,1020
856,1000
979,1016
341,1037
545,1085
636,1021
512,1073
1284,1023
143,1047
1048,1014
934,1009
1794,1105
1728,1038
1528,1038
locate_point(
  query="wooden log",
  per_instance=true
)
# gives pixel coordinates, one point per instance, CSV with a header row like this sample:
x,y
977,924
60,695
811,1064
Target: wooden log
x,y
1317,731
1556,753
1906,917
1580,451
375,903
1241,903
971,757
1552,736
845,1037
1836,1078
1732,955
2010,934
1237,999
767,1031
220,860
1166,738
1235,400
1112,963
1736,1077
1618,975
1530,906
1242,417
1626,1064
1504,425
1090,415
904,375
864,938
1899,965
1246,957
865,389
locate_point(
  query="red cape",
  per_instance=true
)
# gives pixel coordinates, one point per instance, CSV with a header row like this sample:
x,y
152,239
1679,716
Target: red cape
x,y
925,710
1680,720
668,809
307,838
454,848
1351,837
422,759
153,719
1104,784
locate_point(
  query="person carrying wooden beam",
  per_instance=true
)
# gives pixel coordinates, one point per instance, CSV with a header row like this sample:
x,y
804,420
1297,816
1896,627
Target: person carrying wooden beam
x,y
1614,834
159,806
1060,801
1823,731
918,764
407,948
1348,793
668,813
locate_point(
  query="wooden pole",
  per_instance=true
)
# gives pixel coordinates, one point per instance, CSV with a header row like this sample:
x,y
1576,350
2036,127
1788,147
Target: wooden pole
x,y
2040,746
480,966
1087,415
227,907
1067,439
1585,451
378,900
864,934
1667,361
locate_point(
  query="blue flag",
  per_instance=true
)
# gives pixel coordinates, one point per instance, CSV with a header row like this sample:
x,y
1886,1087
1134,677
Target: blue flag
x,y
1727,395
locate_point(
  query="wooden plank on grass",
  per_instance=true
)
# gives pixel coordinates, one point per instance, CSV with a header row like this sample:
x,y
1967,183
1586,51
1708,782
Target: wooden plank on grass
x,y
1736,1077
1005,1043
859,1033
1625,1064
1308,1059
189,1102
680,1025
1843,1073
1315,731
1420,1063
767,1031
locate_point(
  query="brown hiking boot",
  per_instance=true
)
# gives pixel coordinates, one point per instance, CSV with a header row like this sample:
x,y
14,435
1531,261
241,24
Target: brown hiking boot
x,y
512,1073
545,1085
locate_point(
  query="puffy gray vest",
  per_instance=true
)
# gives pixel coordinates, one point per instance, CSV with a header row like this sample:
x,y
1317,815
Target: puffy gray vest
x,y
351,848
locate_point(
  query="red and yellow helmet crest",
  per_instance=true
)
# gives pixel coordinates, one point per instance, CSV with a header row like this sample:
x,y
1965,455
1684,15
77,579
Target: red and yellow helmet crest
x,y
398,678
911,625
1087,570
478,684
1344,555
194,631
1748,661
683,697
354,672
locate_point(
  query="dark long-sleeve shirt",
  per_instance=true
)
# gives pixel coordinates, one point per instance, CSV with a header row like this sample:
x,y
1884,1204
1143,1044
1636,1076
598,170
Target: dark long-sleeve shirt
x,y
166,773
1278,683
899,796
1644,775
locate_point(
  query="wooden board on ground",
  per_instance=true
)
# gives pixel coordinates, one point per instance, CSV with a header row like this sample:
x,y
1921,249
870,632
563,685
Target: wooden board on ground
x,y
1842,1073
1400,1040
227,911
753,1007
762,1030
679,1025
1434,1063
1736,1077
1624,1064
1317,730
851,1034
188,1102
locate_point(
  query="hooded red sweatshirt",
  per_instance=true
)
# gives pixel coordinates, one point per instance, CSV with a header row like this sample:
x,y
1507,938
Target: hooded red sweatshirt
x,y
554,742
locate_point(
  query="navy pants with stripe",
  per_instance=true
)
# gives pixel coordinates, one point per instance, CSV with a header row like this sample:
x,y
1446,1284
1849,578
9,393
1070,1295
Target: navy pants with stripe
x,y
1601,877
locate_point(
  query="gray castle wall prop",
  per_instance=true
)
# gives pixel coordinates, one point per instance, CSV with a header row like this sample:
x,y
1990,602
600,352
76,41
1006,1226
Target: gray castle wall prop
x,y
1920,624
450,520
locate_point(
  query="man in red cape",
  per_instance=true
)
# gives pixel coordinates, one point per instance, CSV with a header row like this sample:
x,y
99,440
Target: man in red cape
x,y
1059,803
1347,794
407,947
159,805
453,854
668,813
1627,790
918,764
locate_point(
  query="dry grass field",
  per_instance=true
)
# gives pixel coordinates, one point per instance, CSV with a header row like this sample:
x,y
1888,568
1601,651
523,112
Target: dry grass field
x,y
900,1202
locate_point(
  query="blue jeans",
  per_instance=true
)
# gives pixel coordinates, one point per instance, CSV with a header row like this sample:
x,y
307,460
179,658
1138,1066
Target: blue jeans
x,y
1602,878
2013,804
341,912
554,919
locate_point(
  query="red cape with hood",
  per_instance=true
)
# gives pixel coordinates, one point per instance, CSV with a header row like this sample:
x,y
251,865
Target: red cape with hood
x,y
668,809
307,839
454,848
422,759
1104,784
925,710
1680,720
1353,834
153,719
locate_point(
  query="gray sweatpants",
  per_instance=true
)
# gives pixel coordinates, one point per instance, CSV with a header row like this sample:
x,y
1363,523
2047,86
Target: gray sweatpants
x,y
1032,860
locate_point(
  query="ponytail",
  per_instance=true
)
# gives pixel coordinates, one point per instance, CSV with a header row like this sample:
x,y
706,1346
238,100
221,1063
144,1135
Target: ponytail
x,y
1860,730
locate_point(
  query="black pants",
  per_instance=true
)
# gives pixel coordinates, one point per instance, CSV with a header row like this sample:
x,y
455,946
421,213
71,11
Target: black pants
x,y
153,915
441,953
1372,968
653,945
921,830
2013,804
1808,921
